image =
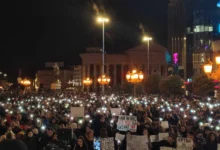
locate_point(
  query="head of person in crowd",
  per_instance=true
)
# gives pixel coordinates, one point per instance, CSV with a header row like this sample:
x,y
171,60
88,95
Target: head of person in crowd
x,y
50,132
102,119
145,132
90,135
81,142
212,138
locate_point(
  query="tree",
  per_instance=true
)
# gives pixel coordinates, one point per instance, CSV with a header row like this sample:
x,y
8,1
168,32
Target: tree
x,y
202,85
163,86
152,84
171,86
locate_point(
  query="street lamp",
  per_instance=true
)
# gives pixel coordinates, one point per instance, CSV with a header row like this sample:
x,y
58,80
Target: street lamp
x,y
134,77
26,83
104,80
87,82
148,39
103,20
213,74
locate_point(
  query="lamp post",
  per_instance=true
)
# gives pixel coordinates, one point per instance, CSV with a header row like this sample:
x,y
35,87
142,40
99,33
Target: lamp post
x,y
134,77
103,20
87,82
104,80
213,74
26,83
148,39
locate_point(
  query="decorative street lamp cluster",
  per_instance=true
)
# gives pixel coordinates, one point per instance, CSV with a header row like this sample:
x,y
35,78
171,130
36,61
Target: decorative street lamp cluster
x,y
87,82
104,80
208,69
134,77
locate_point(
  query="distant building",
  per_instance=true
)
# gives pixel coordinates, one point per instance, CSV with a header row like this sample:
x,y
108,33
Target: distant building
x,y
45,77
77,75
117,65
192,27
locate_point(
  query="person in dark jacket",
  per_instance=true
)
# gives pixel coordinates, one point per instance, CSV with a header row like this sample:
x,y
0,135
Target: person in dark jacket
x,y
30,141
89,139
212,143
12,145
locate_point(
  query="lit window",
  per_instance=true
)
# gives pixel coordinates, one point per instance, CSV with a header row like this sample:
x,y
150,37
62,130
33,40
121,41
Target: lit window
x,y
210,28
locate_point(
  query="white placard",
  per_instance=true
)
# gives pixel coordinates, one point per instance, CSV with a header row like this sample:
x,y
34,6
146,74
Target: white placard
x,y
218,146
165,124
154,138
77,111
116,111
166,148
119,137
163,136
135,142
107,144
184,143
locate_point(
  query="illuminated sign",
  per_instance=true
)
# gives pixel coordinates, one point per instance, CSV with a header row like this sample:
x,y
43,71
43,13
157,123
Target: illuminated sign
x,y
175,58
219,28
218,4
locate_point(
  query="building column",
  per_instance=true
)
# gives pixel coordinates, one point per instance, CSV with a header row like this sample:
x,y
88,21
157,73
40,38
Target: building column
x,y
115,74
88,71
107,69
122,74
83,76
145,70
95,76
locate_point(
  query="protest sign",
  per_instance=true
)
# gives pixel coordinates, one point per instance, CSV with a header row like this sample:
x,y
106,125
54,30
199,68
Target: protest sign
x,y
116,111
154,138
184,143
127,123
163,136
119,137
135,142
77,111
218,146
107,144
166,148
164,124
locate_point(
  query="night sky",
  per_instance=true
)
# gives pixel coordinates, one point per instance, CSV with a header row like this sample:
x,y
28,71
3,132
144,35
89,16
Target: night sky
x,y
38,31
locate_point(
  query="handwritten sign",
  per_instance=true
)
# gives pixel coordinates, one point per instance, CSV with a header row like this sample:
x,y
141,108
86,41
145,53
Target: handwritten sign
x,y
135,142
127,123
154,138
163,136
165,124
184,143
107,144
116,111
166,148
77,111
119,137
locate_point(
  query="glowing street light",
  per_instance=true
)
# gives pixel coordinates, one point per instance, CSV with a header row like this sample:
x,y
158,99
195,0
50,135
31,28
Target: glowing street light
x,y
104,80
213,74
148,39
134,77
103,20
87,82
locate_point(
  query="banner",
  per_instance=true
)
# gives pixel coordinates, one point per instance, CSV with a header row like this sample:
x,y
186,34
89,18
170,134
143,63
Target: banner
x,y
77,111
184,143
127,123
107,144
135,142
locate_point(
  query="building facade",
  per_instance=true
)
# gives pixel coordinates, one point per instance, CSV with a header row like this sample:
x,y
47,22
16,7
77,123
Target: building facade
x,y
192,27
45,77
77,75
117,65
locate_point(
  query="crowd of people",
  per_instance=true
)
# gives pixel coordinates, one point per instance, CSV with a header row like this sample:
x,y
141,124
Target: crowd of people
x,y
44,121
